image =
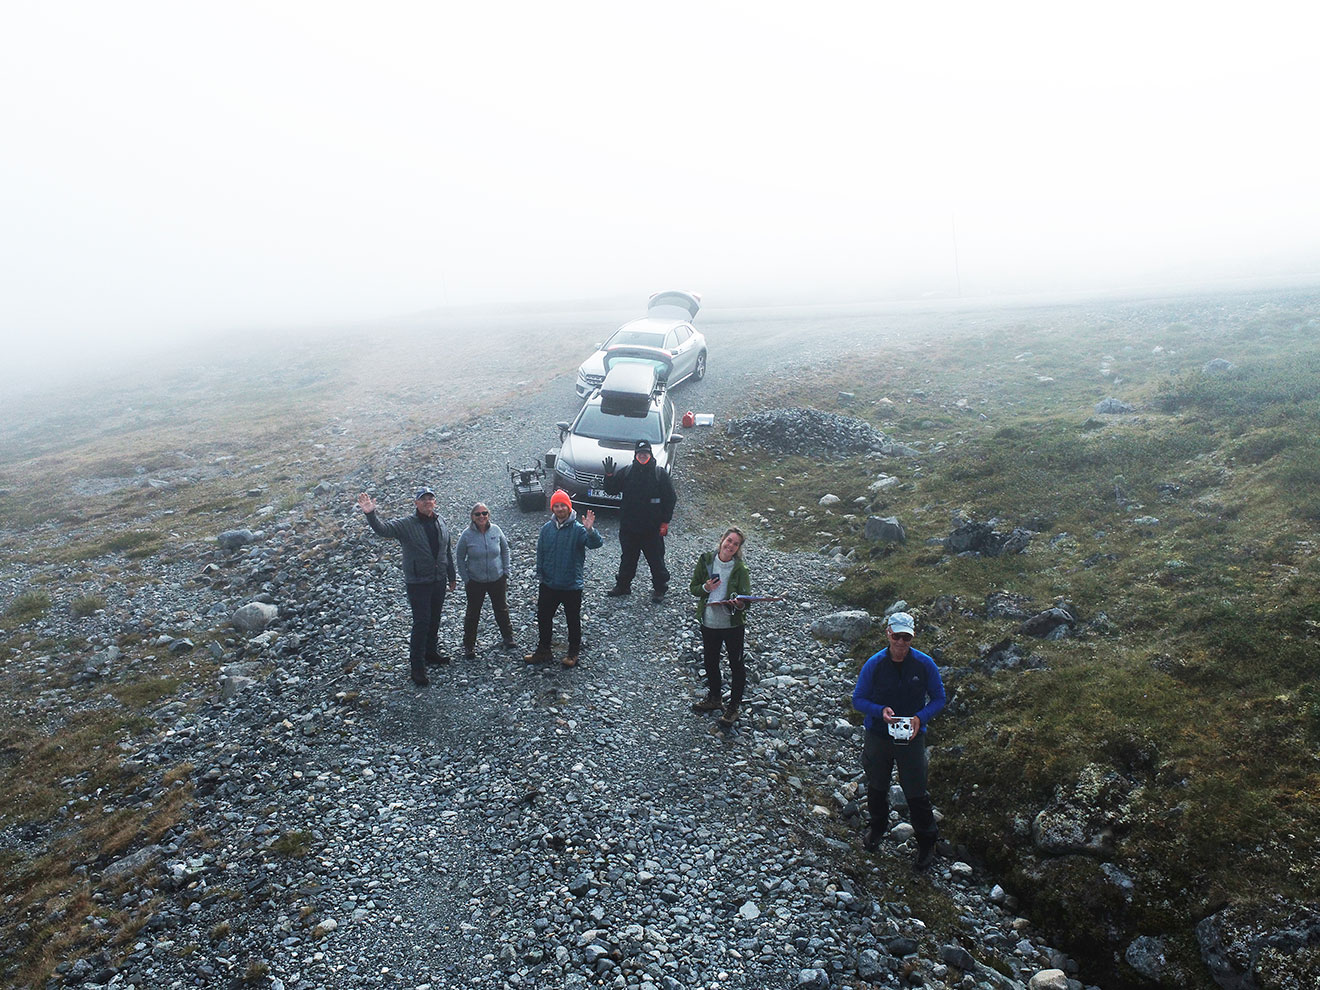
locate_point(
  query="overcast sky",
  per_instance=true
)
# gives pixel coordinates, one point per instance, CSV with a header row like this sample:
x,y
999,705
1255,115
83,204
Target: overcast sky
x,y
170,168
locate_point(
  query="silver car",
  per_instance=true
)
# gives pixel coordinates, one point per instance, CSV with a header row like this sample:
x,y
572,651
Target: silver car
x,y
668,326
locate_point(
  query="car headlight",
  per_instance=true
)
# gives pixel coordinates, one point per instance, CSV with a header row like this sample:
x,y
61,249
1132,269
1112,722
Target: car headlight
x,y
565,469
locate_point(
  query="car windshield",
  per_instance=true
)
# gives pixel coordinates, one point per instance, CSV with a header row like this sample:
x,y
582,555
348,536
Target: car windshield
x,y
596,425
636,337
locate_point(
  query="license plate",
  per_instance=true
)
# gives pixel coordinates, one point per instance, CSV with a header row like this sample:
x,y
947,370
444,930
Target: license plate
x,y
601,493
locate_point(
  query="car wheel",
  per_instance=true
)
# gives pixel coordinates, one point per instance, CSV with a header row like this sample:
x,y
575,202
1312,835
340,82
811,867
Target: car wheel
x,y
699,372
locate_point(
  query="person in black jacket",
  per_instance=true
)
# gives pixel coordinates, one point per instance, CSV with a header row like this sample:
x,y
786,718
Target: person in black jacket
x,y
644,515
428,566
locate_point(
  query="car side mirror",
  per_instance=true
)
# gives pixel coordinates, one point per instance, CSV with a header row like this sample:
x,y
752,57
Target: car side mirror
x,y
563,427
675,437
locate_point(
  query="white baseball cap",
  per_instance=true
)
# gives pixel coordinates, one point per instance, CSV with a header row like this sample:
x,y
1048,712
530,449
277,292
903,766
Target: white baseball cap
x,y
902,622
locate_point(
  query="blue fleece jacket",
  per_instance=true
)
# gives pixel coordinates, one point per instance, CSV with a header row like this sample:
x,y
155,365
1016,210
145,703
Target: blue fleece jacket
x,y
913,687
561,552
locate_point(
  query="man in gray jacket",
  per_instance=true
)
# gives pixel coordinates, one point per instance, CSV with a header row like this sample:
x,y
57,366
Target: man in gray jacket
x,y
483,564
428,566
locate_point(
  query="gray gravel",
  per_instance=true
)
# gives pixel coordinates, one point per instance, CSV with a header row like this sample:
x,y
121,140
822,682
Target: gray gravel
x,y
510,826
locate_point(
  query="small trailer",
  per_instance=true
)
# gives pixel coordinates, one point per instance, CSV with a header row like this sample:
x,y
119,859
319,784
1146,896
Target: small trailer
x,y
528,485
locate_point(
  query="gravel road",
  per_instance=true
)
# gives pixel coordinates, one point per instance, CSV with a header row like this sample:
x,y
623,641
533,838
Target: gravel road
x,y
520,826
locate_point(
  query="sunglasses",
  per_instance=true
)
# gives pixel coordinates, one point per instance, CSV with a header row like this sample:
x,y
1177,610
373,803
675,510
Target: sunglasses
x,y
481,513
905,637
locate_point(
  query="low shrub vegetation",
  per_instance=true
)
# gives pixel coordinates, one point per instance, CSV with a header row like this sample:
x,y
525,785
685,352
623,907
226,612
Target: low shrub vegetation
x,y
28,605
1181,535
85,605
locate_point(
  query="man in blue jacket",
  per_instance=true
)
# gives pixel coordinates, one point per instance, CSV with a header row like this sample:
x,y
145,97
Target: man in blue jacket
x,y
899,690
561,555
428,566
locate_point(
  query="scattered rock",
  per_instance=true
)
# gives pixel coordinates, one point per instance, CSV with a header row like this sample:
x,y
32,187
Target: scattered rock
x,y
981,538
1112,406
254,617
234,539
807,431
886,529
1277,942
1082,819
847,627
1148,956
1047,624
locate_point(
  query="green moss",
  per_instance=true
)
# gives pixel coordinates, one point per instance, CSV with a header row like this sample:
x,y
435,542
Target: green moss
x,y
1213,724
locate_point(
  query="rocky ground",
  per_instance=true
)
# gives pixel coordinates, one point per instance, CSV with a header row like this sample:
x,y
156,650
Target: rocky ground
x,y
510,825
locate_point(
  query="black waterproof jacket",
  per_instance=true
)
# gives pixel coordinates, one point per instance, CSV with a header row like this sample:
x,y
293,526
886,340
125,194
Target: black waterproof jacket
x,y
648,496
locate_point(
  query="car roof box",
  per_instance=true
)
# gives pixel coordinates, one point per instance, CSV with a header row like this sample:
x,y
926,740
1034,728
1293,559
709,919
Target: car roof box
x,y
627,389
656,358
674,304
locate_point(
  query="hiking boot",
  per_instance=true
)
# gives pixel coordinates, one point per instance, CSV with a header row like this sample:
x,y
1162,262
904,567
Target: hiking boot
x,y
541,654
469,654
435,658
419,678
925,855
658,595
618,591
571,660
508,644
710,703
729,716
871,841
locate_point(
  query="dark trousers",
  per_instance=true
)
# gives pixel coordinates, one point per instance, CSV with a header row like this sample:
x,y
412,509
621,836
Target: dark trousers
x,y
879,757
732,641
425,598
548,600
632,544
476,595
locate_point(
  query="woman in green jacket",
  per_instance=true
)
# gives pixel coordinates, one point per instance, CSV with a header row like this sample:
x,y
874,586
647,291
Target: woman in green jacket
x,y
720,574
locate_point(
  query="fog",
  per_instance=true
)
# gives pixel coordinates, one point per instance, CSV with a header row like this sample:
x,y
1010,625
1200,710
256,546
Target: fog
x,y
182,169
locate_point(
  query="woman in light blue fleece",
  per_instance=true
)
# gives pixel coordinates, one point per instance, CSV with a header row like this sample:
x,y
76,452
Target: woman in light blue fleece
x,y
482,558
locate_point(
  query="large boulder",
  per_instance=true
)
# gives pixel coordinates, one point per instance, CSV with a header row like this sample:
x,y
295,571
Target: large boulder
x,y
1148,955
871,967
1083,818
133,862
979,537
884,529
1112,407
845,627
1276,944
254,617
1053,623
1006,655
233,539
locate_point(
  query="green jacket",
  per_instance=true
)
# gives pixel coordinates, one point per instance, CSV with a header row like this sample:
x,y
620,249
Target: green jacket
x,y
740,583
